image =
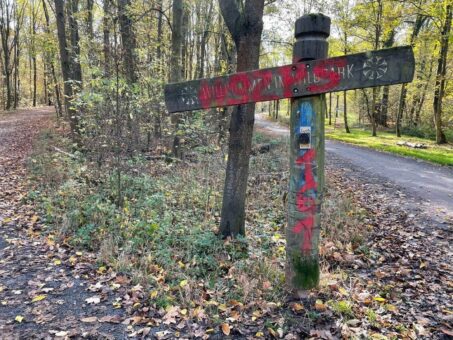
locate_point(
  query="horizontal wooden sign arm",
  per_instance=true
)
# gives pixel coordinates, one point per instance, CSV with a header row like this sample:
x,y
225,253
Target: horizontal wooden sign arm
x,y
375,68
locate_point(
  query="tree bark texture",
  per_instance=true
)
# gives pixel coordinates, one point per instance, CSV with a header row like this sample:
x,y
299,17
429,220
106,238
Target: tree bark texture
x,y
128,42
66,67
245,29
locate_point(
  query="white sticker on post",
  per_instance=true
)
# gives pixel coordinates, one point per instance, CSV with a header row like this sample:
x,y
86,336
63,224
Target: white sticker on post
x,y
305,137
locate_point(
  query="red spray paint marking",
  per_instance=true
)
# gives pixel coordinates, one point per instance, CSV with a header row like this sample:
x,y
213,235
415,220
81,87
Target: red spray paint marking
x,y
291,76
304,204
324,70
254,87
263,80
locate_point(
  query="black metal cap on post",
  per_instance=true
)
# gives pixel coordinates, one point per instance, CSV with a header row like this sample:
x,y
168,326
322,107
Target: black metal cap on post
x,y
311,34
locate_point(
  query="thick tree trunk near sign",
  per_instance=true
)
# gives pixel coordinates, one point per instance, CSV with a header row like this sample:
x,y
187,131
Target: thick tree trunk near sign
x,y
440,77
246,29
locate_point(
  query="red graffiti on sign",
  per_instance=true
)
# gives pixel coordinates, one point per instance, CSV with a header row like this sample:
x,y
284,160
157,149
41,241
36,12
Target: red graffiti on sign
x,y
262,85
304,204
292,76
325,70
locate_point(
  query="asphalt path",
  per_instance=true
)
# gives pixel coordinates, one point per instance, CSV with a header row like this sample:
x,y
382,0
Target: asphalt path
x,y
430,183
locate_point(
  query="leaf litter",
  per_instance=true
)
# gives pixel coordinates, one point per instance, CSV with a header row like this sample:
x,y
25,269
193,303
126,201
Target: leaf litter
x,y
395,283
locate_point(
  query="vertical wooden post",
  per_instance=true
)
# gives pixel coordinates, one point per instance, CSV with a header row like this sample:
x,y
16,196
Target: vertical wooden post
x,y
306,161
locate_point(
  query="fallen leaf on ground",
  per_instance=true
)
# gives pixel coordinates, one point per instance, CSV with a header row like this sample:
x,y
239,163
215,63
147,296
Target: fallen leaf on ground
x,y
39,298
111,319
93,300
226,329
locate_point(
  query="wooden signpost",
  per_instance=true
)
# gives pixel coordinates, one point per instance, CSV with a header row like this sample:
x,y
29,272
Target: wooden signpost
x,y
369,69
305,82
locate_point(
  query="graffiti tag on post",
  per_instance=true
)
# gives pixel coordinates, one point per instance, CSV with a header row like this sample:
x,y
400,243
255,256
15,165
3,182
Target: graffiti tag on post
x,y
369,69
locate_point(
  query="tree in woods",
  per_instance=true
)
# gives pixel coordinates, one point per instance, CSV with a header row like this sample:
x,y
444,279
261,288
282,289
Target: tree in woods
x,y
245,24
441,75
344,24
177,71
418,24
10,14
69,58
50,63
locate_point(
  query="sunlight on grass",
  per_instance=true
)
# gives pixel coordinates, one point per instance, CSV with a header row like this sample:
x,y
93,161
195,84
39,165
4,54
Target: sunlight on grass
x,y
385,141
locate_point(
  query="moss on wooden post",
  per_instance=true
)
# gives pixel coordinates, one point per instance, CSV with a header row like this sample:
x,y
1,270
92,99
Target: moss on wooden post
x,y
307,147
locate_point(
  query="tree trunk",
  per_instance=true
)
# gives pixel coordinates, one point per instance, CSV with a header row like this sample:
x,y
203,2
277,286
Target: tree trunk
x,y
377,37
45,84
176,43
89,19
33,51
16,67
128,41
345,113
106,23
157,118
66,68
440,77
337,109
159,32
402,102
204,39
401,107
73,9
50,61
185,30
246,29
70,60
383,112
176,71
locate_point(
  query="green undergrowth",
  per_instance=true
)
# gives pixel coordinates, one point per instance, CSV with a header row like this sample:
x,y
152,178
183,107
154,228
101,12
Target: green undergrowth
x,y
157,221
386,141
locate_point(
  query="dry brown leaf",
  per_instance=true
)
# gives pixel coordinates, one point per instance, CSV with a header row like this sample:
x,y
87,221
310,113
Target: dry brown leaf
x,y
111,319
90,319
226,329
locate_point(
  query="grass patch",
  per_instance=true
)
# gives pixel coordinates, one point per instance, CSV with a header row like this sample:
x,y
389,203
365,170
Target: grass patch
x,y
386,141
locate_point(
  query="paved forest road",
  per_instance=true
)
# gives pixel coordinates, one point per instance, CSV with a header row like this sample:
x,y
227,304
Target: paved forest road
x,y
432,184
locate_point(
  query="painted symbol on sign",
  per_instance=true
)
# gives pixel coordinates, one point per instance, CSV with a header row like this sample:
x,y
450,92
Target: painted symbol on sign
x,y
374,67
189,95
